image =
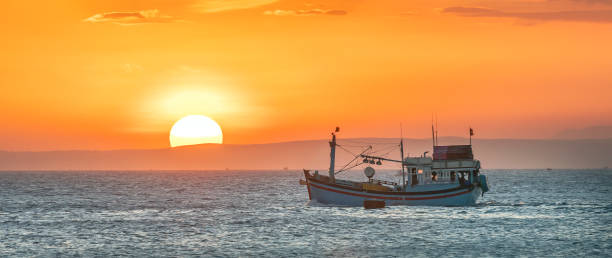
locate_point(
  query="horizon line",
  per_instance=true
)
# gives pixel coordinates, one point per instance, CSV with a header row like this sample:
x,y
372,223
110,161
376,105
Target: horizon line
x,y
297,141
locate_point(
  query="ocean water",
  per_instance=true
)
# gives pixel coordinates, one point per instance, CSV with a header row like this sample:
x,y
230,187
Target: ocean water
x,y
267,213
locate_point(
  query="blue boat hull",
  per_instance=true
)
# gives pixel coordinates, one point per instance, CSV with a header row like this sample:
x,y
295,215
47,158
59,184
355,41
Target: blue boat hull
x,y
337,195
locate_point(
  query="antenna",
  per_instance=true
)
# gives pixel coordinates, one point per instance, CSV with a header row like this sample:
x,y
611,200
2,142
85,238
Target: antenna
x,y
436,129
433,138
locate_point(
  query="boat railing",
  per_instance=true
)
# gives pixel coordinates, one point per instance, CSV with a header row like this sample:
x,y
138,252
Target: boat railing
x,y
376,181
441,177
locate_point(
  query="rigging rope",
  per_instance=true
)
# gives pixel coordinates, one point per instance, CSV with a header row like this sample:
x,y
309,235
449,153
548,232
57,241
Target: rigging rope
x,y
369,150
389,149
368,143
342,170
346,149
354,158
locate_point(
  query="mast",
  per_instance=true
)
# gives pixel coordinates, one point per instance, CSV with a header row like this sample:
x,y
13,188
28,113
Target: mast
x,y
433,137
332,155
402,161
471,133
436,129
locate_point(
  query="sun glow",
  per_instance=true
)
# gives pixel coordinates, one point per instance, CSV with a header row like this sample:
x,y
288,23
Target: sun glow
x,y
195,129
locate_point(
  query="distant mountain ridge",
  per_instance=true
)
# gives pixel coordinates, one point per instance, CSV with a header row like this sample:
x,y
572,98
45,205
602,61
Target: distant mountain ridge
x,y
314,154
593,132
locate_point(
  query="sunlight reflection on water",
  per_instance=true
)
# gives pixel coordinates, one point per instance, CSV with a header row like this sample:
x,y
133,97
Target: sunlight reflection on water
x,y
248,213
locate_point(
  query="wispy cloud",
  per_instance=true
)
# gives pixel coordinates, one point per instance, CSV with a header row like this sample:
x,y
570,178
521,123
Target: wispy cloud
x,y
132,68
574,15
407,13
129,18
603,2
213,6
309,12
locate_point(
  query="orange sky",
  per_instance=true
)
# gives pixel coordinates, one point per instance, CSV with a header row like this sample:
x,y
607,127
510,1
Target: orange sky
x,y
118,74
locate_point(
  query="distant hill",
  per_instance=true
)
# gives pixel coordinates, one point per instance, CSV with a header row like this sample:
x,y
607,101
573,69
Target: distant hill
x,y
594,132
493,153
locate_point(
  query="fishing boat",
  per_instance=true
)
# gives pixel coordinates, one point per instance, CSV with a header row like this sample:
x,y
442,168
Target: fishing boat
x,y
450,177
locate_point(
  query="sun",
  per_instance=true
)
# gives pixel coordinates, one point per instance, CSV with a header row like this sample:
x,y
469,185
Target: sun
x,y
195,129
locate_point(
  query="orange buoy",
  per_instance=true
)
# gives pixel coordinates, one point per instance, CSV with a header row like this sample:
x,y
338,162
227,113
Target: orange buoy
x,y
373,204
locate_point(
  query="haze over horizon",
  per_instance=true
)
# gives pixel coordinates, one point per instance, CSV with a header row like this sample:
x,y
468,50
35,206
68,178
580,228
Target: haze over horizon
x,y
314,154
590,133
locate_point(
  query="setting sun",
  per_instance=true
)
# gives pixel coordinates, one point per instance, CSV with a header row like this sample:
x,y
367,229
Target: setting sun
x,y
195,129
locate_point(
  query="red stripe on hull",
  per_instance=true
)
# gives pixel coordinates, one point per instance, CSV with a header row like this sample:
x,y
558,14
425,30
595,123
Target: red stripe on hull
x,y
308,187
386,198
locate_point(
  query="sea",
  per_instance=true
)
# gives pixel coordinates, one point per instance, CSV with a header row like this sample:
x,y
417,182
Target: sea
x,y
534,213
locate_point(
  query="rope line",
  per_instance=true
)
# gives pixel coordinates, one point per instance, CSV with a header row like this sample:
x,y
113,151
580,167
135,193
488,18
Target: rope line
x,y
344,168
361,142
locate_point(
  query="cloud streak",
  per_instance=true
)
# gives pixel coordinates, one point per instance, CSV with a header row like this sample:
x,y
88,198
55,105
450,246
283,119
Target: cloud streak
x,y
602,2
603,16
130,18
310,12
213,6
